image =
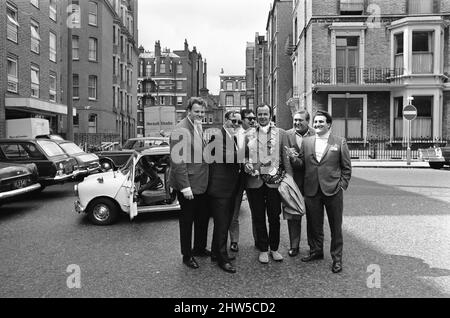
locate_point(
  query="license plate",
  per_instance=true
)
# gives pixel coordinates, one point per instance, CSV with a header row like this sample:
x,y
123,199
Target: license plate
x,y
19,184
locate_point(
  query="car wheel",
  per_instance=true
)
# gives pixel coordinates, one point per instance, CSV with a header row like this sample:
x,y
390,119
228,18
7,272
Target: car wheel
x,y
436,165
102,212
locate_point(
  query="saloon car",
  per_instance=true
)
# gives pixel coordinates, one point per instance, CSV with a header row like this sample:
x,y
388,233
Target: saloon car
x,y
17,179
88,163
53,164
105,195
116,159
437,157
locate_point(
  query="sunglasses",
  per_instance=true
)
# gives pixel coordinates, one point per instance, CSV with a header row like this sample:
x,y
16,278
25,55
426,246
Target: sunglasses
x,y
251,118
235,121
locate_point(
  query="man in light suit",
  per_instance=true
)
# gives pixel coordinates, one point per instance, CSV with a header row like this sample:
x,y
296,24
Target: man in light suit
x,y
328,171
295,138
264,197
188,176
224,173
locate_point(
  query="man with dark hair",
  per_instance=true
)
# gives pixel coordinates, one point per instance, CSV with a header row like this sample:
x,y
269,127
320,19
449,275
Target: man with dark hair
x,y
296,135
328,171
222,187
266,161
189,175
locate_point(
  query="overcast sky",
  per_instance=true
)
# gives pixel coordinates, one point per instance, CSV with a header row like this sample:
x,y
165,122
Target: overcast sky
x,y
220,29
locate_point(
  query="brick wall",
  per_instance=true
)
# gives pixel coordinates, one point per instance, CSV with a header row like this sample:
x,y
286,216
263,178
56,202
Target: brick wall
x,y
377,48
321,45
331,7
378,115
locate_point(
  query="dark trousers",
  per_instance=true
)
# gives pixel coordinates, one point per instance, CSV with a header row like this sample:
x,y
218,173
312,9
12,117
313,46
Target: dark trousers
x,y
314,218
295,231
193,212
222,212
262,200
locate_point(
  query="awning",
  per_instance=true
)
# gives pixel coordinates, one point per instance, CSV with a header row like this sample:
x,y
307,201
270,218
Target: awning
x,y
36,105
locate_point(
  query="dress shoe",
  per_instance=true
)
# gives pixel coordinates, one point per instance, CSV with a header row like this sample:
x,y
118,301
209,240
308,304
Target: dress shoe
x,y
312,257
190,262
337,267
294,252
277,257
204,253
234,247
227,267
215,259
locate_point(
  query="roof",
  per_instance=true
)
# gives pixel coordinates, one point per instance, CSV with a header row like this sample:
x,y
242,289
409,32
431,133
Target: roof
x,y
151,55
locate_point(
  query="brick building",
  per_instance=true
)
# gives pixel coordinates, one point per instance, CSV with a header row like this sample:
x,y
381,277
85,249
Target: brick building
x,y
31,62
170,78
104,68
233,92
279,34
362,60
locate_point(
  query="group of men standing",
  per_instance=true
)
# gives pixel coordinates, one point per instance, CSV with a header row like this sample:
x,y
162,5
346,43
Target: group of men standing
x,y
211,173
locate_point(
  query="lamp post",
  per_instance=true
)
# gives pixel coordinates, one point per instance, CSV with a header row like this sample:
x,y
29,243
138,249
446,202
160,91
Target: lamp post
x,y
69,135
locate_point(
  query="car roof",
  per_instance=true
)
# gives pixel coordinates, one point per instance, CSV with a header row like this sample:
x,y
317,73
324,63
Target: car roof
x,y
25,140
149,138
165,150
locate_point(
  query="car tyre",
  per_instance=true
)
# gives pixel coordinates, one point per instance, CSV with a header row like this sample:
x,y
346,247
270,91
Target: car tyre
x,y
436,165
102,211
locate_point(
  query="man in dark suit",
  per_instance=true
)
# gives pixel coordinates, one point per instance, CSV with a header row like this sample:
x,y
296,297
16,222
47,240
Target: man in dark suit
x,y
328,171
266,156
295,138
188,176
223,185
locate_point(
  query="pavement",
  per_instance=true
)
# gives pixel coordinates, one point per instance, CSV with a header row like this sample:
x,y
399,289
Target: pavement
x,y
415,164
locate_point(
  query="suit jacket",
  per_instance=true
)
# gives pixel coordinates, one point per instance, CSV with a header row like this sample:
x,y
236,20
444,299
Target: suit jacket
x,y
299,171
187,165
332,173
256,182
224,176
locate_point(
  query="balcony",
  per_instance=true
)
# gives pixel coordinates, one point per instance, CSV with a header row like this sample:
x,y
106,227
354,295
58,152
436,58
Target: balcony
x,y
358,78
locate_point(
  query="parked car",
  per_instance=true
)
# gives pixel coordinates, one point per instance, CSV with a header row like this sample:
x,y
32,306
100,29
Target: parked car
x,y
105,195
88,163
54,166
116,159
17,179
437,157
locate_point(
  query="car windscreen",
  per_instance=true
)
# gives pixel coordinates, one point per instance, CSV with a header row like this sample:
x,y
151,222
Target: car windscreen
x,y
129,144
50,148
70,148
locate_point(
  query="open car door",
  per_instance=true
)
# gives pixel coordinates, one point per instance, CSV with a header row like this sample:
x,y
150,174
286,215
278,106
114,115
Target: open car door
x,y
132,191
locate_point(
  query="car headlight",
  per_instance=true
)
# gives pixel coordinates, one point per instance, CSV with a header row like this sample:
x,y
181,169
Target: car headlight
x,y
61,166
75,189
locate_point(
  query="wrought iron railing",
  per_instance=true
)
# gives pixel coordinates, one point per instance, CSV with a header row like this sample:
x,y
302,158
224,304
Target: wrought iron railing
x,y
356,76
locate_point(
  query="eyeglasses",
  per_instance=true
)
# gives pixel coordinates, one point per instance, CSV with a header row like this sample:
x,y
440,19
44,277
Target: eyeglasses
x,y
250,118
235,121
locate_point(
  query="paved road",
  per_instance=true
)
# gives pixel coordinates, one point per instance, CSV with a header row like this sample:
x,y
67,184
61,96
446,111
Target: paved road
x,y
397,224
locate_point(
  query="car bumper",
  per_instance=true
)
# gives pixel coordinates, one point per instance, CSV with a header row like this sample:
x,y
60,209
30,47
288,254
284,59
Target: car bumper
x,y
78,207
59,179
87,171
17,192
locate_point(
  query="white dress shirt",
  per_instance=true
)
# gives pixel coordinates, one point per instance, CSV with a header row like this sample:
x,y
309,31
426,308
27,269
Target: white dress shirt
x,y
321,145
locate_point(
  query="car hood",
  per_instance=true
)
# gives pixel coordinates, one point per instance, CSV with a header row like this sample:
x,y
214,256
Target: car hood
x,y
9,171
108,177
85,158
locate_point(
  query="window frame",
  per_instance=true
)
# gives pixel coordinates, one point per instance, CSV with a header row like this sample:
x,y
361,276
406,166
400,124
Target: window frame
x,y
93,50
90,88
35,85
12,24
52,52
93,14
11,78
52,91
35,38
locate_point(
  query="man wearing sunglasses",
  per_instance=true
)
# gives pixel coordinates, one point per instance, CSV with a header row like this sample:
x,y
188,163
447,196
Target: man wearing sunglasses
x,y
247,127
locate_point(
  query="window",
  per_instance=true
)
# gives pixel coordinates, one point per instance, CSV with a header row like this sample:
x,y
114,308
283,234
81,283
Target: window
x,y
348,117
398,51
35,38
92,87
92,124
352,7
162,68
35,3
243,86
229,100
243,101
179,84
12,75
75,86
52,47
229,86
347,59
34,81
52,87
93,8
76,14
12,24
251,102
179,68
148,70
422,52
179,100
421,127
92,49
52,10
76,120
211,119
75,48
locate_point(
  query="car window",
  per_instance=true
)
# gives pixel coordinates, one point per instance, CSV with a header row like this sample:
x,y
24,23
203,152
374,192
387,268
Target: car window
x,y
14,152
50,148
71,148
129,144
33,151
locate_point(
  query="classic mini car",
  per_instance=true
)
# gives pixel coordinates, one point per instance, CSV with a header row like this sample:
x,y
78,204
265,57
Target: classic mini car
x,y
103,196
17,179
88,163
116,159
53,164
437,157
